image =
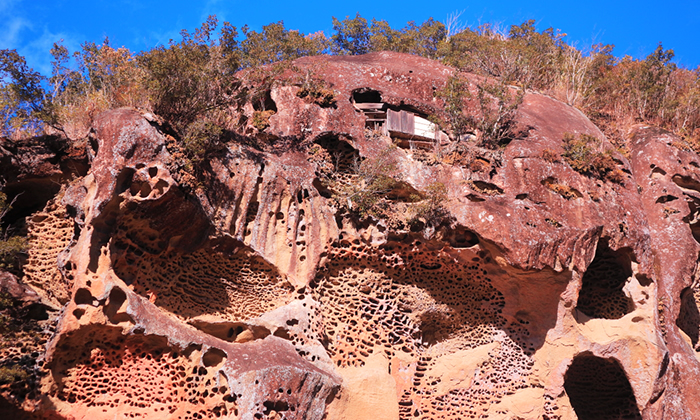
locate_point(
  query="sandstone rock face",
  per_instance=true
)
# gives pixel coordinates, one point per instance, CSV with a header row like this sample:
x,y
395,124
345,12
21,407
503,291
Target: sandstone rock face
x,y
542,294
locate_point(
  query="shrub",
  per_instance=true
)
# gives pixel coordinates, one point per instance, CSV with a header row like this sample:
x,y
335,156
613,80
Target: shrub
x,y
520,56
365,196
24,106
201,138
431,208
313,88
261,119
192,79
352,36
10,247
492,113
581,154
11,374
579,150
550,156
274,43
318,94
361,188
498,108
454,94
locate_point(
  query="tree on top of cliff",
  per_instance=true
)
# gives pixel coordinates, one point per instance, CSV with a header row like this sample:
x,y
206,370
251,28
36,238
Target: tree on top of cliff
x,y
190,78
275,43
184,80
22,97
355,36
352,36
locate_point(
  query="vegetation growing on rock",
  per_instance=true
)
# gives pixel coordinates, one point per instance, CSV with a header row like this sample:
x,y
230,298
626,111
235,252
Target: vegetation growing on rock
x,y
194,78
240,205
582,153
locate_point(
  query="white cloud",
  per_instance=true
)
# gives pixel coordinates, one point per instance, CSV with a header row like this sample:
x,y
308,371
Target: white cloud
x,y
11,24
6,5
38,51
212,7
10,30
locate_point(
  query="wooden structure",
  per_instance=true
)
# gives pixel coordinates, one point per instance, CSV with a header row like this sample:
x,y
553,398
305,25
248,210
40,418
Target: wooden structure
x,y
406,127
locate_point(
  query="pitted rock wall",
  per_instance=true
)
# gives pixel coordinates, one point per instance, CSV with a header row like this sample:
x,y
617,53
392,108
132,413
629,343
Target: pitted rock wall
x,y
544,294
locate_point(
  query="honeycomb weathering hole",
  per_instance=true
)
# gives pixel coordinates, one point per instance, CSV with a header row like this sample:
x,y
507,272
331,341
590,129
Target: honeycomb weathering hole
x,y
117,297
407,300
601,294
461,237
599,389
213,357
83,297
141,377
234,286
345,157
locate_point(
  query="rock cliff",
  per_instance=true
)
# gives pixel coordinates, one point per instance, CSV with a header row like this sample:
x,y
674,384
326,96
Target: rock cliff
x,y
247,289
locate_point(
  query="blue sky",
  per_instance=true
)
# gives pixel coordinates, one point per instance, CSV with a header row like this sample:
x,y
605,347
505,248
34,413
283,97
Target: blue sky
x,y
635,28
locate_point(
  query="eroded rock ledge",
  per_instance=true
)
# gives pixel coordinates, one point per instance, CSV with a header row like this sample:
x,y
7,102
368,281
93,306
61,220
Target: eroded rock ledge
x,y
249,295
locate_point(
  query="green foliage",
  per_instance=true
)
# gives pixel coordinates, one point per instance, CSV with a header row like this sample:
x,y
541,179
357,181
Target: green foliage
x,y
491,113
360,188
201,138
10,247
424,40
365,196
261,119
13,373
352,36
275,43
101,78
498,107
318,94
579,150
4,205
257,83
523,57
582,154
23,104
355,36
316,90
639,87
454,94
193,78
430,209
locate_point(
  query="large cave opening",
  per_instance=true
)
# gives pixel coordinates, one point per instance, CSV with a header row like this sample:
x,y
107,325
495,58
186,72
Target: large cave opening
x,y
343,156
601,294
599,389
366,95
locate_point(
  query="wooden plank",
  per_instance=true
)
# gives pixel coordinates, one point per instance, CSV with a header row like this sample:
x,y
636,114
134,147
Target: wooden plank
x,y
425,128
407,122
393,120
368,105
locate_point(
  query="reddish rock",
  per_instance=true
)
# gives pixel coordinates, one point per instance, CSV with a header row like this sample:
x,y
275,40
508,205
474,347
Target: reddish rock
x,y
247,291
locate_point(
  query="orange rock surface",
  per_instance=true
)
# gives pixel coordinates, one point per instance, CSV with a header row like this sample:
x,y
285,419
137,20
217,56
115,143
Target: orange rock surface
x,y
249,294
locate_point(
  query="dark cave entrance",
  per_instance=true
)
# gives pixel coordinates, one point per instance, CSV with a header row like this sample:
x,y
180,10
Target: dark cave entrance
x,y
599,389
366,95
689,317
601,294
